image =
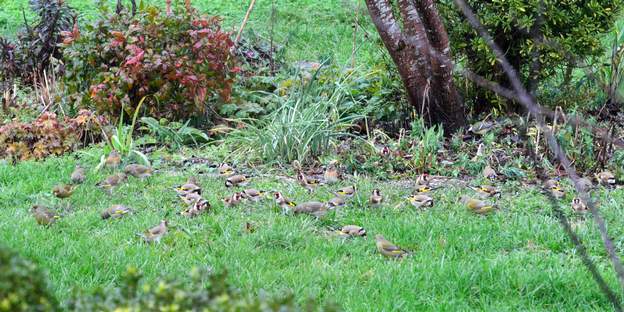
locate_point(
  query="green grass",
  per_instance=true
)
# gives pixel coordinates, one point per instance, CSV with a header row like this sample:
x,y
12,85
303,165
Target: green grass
x,y
310,29
517,259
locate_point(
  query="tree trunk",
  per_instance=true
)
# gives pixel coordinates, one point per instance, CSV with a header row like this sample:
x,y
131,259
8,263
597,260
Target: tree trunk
x,y
421,51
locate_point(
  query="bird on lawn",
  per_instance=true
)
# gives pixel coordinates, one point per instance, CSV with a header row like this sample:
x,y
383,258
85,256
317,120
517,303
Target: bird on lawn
x,y
63,190
190,186
351,231
375,199
554,188
348,191
196,209
233,200
307,182
138,171
423,179
605,178
115,212
489,173
156,233
420,200
252,194
111,182
113,159
477,206
236,180
314,208
336,202
190,198
488,191
389,249
331,173
284,203
578,205
78,176
44,216
225,170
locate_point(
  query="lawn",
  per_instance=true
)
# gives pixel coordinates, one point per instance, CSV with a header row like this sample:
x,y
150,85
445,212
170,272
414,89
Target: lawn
x,y
515,259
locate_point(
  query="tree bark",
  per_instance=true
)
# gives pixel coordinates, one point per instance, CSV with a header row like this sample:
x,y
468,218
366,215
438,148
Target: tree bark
x,y
421,51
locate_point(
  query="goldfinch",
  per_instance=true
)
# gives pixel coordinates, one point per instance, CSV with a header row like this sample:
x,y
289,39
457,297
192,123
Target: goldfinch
x,y
307,182
489,173
115,212
488,191
375,199
78,176
557,192
236,180
233,200
351,231
44,216
113,160
190,186
63,190
138,171
605,178
389,249
156,233
196,209
336,202
252,194
284,203
420,200
111,182
190,198
420,189
331,173
552,183
225,170
423,179
477,206
348,191
578,205
316,209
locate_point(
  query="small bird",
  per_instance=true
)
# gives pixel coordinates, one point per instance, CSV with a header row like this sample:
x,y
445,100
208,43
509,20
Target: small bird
x,y
351,231
190,186
557,192
308,183
423,179
348,191
477,206
488,191
113,160
63,190
236,180
481,127
375,199
225,170
331,173
336,202
419,189
233,200
138,171
316,209
111,182
284,203
43,215
197,208
78,176
552,183
605,178
252,194
156,233
420,200
389,249
115,212
489,173
578,205
190,198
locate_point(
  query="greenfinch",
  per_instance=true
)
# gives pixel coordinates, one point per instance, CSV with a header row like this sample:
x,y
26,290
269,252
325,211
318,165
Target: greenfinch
x,y
481,127
477,206
115,212
78,176
111,182
348,191
330,176
389,249
578,205
138,171
351,231
113,159
375,199
316,209
236,180
156,233
283,202
420,200
44,216
63,190
605,178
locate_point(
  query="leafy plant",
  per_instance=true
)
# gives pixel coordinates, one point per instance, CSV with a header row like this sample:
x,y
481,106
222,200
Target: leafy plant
x,y
175,134
184,61
426,141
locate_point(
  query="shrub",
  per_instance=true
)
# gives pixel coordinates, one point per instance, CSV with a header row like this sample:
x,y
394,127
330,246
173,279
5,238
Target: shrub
x,y
48,135
183,61
23,286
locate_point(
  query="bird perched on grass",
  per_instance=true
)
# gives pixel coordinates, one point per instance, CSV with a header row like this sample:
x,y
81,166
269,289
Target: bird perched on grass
x,y
336,202
375,199
233,200
113,159
488,191
236,180
348,191
420,189
189,198
156,233
578,205
307,182
477,206
481,127
190,186
138,171
78,176
196,209
351,231
489,173
420,200
423,179
388,249
115,212
283,202
605,178
225,170
554,188
314,208
252,194
63,190
330,176
43,215
111,182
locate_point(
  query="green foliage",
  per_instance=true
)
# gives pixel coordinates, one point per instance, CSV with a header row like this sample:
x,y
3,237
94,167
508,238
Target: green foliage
x,y
23,287
425,143
122,140
49,135
174,134
183,61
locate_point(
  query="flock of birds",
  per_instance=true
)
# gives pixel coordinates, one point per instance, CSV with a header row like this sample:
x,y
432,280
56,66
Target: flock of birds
x,y
190,193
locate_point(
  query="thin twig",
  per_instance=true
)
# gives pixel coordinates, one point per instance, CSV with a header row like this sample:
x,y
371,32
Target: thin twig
x,y
240,31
